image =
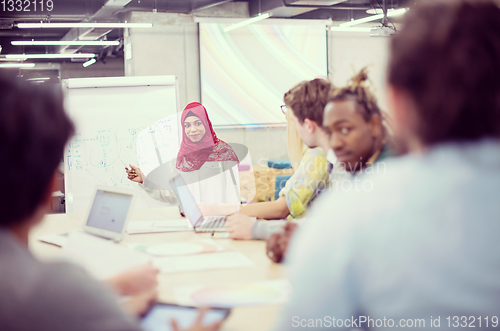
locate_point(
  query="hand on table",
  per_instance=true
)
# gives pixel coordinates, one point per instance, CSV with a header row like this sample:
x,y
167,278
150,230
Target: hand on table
x,y
198,324
134,174
139,304
136,281
277,244
239,226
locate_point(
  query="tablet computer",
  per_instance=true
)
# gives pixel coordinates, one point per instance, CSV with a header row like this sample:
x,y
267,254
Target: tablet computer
x,y
159,317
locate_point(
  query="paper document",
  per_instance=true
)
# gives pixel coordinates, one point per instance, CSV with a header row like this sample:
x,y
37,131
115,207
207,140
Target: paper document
x,y
158,226
224,260
175,249
102,258
269,292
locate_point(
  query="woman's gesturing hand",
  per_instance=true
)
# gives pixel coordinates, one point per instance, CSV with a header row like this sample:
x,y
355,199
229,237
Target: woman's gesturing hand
x,y
135,174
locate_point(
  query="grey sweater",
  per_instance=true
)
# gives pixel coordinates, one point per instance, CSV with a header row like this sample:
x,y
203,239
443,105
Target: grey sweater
x,y
53,296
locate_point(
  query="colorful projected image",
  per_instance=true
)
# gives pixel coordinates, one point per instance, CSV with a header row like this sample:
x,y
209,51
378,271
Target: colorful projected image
x,y
246,71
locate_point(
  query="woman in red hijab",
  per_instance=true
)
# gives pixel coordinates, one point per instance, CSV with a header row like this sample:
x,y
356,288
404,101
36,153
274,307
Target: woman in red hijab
x,y
199,141
203,159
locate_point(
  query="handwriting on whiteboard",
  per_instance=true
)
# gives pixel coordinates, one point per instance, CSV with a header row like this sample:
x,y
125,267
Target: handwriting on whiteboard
x,y
147,146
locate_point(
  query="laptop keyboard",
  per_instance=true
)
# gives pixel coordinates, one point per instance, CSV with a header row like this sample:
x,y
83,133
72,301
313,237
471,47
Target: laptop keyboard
x,y
213,222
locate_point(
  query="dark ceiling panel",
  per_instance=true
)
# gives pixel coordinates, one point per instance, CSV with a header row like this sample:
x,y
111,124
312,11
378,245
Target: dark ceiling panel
x,y
79,10
178,6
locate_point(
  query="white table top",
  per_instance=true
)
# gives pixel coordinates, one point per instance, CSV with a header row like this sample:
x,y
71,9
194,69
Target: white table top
x,y
249,318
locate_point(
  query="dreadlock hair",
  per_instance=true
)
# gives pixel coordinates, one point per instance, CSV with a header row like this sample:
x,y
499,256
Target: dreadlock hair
x,y
366,102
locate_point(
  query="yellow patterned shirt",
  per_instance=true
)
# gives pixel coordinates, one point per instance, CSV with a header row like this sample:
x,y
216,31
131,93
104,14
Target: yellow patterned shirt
x,y
310,178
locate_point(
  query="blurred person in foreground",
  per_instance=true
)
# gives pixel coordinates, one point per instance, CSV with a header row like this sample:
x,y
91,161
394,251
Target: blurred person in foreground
x,y
52,296
423,243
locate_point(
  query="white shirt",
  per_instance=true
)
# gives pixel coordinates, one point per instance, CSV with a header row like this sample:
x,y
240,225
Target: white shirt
x,y
423,243
209,184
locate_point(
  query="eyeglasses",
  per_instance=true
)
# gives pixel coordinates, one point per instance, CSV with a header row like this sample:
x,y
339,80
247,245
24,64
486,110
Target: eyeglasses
x,y
283,109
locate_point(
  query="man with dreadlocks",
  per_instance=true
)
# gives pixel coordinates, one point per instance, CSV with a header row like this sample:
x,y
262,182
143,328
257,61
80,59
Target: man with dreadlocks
x,y
356,128
358,137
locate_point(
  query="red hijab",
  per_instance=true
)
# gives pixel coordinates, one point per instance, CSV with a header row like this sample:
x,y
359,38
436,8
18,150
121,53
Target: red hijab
x,y
193,155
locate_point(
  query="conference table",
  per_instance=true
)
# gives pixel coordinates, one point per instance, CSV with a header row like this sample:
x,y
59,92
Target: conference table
x,y
243,318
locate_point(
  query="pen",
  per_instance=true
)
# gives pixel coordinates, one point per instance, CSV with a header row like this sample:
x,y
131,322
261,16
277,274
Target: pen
x,y
126,167
122,162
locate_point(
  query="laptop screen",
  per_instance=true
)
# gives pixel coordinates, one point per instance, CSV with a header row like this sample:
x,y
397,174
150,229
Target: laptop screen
x,y
187,201
109,211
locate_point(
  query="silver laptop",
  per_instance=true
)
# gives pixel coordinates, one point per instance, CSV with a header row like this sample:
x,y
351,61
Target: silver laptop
x,y
107,217
191,210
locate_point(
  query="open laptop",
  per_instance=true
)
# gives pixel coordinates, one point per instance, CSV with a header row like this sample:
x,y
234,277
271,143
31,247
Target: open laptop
x,y
107,217
191,210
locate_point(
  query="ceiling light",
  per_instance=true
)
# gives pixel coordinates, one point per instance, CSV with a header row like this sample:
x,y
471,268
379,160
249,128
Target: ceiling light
x,y
82,25
50,56
89,62
257,18
66,43
374,11
390,13
17,65
39,78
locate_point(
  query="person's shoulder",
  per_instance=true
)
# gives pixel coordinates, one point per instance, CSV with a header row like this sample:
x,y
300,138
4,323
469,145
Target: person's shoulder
x,y
313,155
76,299
223,145
373,191
341,218
63,280
315,151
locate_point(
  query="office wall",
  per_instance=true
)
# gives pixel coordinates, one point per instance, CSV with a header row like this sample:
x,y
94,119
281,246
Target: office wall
x,y
169,48
263,143
112,68
349,52
172,47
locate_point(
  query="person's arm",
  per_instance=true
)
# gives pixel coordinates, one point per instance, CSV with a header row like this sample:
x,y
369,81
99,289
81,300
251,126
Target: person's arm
x,y
198,323
75,301
277,209
161,195
136,175
298,191
135,281
302,187
262,230
138,287
277,244
211,209
243,227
